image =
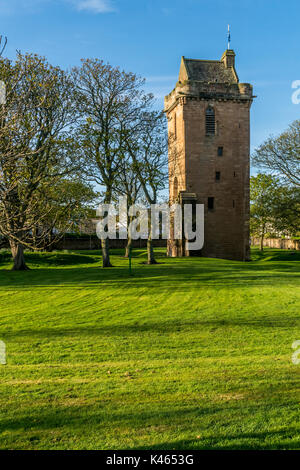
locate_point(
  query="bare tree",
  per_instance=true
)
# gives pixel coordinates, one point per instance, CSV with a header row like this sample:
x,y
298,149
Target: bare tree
x,y
281,155
107,98
128,184
147,145
3,43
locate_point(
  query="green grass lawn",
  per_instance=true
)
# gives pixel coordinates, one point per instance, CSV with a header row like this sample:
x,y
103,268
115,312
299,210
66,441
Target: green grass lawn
x,y
191,353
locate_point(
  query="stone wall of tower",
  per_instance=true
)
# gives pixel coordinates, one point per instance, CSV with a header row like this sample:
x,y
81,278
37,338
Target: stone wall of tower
x,y
194,162
177,161
227,225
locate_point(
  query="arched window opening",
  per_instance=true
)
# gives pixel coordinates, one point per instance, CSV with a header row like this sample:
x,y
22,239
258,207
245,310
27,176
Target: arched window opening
x,y
210,122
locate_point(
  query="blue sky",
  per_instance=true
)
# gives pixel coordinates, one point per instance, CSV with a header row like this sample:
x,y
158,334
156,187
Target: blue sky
x,y
149,37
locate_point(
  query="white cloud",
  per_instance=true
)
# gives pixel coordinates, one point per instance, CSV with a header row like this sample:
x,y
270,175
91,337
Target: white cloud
x,y
94,6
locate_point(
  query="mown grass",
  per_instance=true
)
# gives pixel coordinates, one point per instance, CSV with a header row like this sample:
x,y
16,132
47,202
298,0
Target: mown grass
x,y
191,353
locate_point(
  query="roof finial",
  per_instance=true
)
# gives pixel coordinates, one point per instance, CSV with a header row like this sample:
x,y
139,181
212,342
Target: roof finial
x,y
229,37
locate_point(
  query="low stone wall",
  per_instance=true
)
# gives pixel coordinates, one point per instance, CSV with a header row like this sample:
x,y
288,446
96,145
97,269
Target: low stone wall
x,y
94,244
281,243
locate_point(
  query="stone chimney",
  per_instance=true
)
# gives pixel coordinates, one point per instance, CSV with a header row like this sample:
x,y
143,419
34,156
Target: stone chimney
x,y
228,58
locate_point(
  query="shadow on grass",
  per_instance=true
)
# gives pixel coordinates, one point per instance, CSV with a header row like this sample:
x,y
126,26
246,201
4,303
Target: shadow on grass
x,y
82,270
155,327
181,277
52,259
96,416
258,442
275,255
86,421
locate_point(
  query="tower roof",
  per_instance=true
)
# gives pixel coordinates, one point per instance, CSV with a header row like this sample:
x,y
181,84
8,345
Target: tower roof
x,y
209,80
207,71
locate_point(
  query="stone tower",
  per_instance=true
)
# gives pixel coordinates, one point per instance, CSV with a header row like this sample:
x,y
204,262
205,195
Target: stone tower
x,y
208,116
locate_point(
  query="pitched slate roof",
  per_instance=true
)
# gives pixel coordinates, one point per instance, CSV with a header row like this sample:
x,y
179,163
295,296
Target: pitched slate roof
x,y
207,71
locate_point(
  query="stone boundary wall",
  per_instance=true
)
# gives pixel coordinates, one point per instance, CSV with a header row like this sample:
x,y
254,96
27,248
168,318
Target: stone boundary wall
x,y
94,244
281,243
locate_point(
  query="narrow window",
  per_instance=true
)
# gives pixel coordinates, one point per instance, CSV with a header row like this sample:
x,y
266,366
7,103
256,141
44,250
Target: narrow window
x,y
210,123
218,175
234,174
175,126
220,151
210,203
233,203
175,188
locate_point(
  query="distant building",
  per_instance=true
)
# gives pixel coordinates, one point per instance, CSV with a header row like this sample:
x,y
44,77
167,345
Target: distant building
x,y
209,143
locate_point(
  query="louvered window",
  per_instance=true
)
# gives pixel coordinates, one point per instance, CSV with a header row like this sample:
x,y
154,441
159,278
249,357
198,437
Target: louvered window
x,y
210,123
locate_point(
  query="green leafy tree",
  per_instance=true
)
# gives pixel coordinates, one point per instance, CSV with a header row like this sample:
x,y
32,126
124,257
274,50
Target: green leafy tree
x,y
67,204
274,207
262,194
286,210
37,146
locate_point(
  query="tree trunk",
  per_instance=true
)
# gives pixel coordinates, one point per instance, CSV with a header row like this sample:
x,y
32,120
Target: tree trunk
x,y
129,239
150,252
105,242
105,253
262,242
128,247
17,252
